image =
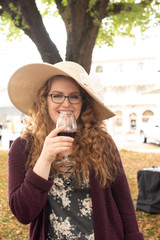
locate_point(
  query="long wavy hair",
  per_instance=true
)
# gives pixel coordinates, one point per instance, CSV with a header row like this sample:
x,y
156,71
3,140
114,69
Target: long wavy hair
x,y
93,147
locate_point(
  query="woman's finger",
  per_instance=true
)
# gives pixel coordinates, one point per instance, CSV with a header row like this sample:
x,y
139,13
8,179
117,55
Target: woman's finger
x,y
55,131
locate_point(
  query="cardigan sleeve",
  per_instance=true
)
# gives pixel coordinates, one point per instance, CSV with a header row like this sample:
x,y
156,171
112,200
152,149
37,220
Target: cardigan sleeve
x,y
27,191
122,196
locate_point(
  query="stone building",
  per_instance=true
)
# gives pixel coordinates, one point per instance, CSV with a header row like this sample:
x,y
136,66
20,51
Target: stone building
x,y
123,81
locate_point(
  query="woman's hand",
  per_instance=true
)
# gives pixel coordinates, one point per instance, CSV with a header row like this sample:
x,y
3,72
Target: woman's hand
x,y
53,145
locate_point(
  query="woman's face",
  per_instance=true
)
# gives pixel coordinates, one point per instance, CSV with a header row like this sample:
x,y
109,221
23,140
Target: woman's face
x,y
63,86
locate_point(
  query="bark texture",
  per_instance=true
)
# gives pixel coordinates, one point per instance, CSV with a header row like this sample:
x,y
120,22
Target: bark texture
x,y
82,28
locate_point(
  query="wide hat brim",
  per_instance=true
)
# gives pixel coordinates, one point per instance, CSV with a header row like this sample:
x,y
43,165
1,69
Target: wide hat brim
x,y
24,84
154,91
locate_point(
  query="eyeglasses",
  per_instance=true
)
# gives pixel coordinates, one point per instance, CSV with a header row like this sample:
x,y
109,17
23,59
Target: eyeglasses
x,y
59,98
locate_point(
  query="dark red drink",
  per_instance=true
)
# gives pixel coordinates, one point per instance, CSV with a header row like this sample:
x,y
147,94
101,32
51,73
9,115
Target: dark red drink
x,y
67,134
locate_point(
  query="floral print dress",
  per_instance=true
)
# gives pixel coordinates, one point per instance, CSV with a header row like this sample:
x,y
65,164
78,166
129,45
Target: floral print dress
x,y
70,210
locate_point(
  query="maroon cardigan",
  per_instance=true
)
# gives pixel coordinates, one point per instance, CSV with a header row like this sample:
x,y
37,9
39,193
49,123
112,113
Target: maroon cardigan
x,y
113,212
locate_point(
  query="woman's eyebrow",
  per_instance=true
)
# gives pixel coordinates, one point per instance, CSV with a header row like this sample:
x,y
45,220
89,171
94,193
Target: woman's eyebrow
x,y
63,92
56,92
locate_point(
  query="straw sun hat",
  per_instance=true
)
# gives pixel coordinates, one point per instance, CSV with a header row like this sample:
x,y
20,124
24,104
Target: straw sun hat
x,y
24,84
153,91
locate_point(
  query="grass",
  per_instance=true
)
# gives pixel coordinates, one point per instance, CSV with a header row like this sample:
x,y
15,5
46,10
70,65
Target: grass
x,y
149,224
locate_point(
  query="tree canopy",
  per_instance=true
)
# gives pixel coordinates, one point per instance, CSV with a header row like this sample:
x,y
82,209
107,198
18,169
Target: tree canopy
x,y
87,22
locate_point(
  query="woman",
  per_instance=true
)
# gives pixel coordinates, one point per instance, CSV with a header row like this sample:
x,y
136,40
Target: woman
x,y
92,201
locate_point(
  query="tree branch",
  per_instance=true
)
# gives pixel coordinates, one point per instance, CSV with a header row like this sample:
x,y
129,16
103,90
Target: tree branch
x,y
4,6
1,12
33,28
100,9
117,8
37,32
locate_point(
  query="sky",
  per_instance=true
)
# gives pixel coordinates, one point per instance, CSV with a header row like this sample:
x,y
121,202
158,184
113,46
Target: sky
x,y
18,53
125,46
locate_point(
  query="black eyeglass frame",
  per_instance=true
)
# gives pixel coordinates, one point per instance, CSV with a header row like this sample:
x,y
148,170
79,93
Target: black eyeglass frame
x,y
65,98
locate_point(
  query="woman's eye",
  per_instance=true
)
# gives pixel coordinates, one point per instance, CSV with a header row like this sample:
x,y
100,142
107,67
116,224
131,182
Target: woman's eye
x,y
74,96
58,96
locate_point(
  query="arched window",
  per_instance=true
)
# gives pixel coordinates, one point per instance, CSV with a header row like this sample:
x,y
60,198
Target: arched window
x,y
118,118
120,67
146,115
133,121
140,66
99,69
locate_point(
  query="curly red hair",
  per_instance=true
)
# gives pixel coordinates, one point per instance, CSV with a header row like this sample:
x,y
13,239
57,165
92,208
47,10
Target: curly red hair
x,y
93,146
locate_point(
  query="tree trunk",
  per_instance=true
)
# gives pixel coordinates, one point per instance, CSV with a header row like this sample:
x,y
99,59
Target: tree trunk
x,y
82,29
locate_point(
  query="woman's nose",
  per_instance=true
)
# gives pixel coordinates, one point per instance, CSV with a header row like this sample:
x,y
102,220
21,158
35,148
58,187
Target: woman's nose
x,y
66,102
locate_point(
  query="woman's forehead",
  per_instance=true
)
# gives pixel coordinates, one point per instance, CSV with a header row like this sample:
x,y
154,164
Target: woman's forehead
x,y
64,81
